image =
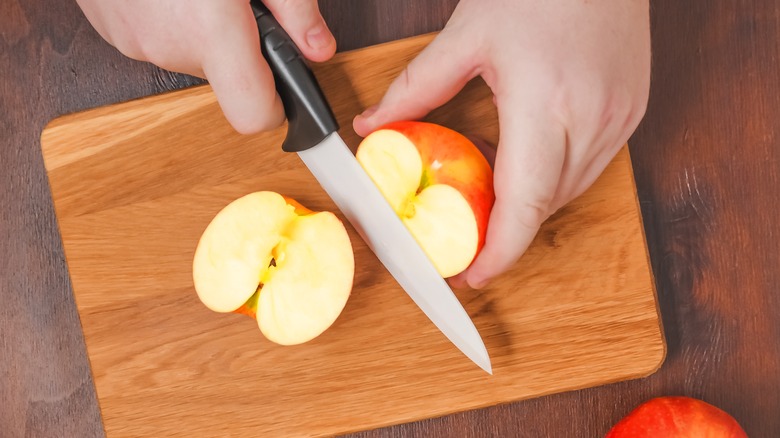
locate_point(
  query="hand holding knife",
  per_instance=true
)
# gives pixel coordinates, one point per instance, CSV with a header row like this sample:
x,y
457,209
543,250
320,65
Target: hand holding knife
x,y
312,134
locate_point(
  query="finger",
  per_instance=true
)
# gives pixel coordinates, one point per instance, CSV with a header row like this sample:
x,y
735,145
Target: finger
x,y
528,167
588,158
434,77
240,78
458,281
304,23
585,177
580,180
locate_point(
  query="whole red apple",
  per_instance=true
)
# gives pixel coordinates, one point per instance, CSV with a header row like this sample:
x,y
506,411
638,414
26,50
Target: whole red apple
x,y
677,417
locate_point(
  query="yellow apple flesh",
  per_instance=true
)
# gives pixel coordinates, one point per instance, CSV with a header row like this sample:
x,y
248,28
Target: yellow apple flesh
x,y
267,256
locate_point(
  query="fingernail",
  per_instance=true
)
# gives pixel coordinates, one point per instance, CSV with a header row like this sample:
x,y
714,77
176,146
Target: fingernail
x,y
318,38
369,111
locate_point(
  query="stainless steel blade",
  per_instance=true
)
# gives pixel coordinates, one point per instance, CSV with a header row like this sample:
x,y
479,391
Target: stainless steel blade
x,y
353,191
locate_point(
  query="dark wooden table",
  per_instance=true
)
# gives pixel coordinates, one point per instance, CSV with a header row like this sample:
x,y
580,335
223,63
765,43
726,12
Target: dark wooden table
x,y
707,164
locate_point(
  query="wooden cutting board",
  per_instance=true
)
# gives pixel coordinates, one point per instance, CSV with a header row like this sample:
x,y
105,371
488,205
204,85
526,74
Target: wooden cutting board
x,y
134,186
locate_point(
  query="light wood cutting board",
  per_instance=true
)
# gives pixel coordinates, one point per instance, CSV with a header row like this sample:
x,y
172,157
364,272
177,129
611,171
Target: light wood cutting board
x,y
134,186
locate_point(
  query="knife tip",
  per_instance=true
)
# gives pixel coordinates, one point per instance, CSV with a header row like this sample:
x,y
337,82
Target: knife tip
x,y
486,366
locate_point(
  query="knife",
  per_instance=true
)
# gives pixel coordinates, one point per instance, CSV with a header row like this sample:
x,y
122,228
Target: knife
x,y
312,133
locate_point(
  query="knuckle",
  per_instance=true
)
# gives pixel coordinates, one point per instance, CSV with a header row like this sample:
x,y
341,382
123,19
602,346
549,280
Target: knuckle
x,y
532,213
406,87
529,212
562,103
631,109
616,109
269,119
129,46
616,106
405,80
154,52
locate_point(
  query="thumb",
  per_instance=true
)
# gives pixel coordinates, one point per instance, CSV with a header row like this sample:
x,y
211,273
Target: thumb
x,y
528,168
434,77
304,23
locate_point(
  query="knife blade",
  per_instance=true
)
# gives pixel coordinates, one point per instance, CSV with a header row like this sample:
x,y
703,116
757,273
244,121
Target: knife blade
x,y
313,134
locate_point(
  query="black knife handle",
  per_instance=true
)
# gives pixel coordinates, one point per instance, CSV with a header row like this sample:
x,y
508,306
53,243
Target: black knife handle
x,y
309,117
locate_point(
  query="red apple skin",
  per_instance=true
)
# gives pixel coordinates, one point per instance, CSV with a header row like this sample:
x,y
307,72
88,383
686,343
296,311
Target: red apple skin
x,y
463,166
677,417
300,210
249,308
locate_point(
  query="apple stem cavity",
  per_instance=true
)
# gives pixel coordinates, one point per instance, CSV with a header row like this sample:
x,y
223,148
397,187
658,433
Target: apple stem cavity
x,y
249,308
425,181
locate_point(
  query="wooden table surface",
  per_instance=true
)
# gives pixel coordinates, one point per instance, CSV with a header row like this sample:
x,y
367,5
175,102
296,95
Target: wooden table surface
x,y
707,164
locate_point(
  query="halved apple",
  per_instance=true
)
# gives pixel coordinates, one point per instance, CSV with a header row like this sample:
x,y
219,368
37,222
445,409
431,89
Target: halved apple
x,y
269,257
439,184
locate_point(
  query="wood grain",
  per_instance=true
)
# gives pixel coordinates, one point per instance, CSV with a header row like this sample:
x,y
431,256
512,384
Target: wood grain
x,y
135,184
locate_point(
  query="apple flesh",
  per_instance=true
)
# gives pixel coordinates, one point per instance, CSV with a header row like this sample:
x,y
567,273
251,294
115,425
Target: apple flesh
x,y
266,256
439,184
677,417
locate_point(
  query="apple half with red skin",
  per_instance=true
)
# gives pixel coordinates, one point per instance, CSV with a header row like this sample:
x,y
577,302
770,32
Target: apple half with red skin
x,y
677,417
440,185
267,256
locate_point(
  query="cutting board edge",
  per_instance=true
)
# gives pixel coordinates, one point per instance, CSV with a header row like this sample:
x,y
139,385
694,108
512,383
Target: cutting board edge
x,y
650,271
494,404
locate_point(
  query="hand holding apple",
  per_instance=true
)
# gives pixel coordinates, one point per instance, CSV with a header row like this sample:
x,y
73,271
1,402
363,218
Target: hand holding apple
x,y
267,256
677,417
570,80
